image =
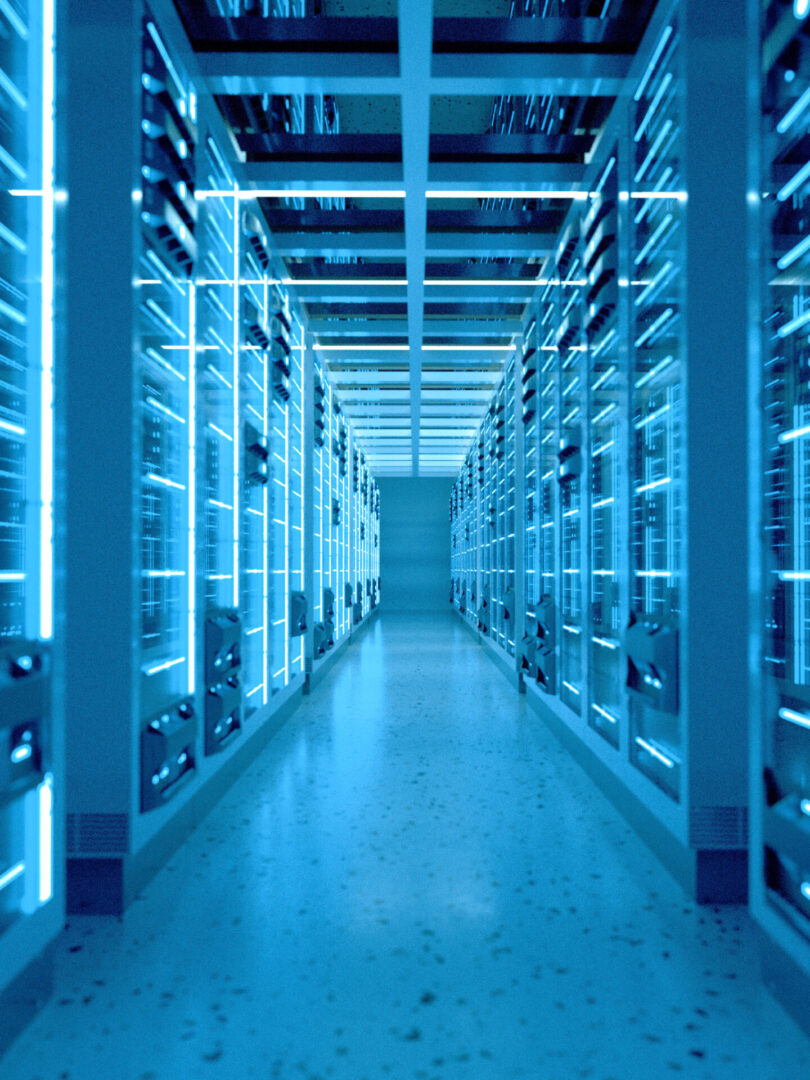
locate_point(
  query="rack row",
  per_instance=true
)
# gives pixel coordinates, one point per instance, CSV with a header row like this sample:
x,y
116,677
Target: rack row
x,y
217,526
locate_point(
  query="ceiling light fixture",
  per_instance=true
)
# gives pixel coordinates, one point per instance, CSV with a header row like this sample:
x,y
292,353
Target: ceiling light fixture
x,y
344,281
579,196
299,193
466,348
524,283
679,195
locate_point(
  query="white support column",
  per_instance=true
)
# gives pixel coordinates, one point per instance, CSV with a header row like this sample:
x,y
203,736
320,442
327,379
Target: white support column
x,y
714,658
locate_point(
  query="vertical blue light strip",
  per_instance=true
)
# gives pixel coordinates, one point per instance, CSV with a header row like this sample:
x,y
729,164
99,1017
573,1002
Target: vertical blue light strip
x,y
266,673
236,439
192,491
47,328
46,839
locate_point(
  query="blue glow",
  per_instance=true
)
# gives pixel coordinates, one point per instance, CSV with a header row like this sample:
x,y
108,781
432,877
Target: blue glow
x,y
655,415
654,150
794,112
603,378
654,239
659,367
804,806
795,252
656,101
167,60
797,323
656,56
605,643
13,429
602,448
794,183
652,285
608,409
793,717
805,887
800,8
164,480
654,752
165,666
11,874
654,484
191,536
797,433
606,715
46,839
155,404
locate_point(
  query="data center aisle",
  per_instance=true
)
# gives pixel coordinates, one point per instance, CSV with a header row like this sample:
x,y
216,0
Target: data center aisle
x,y
412,881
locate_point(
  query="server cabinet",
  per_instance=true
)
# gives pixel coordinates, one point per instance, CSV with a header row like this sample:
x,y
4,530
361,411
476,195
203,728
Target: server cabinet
x,y
530,519
605,397
218,405
548,410
780,775
190,603
623,459
569,349
255,390
331,515
656,373
31,768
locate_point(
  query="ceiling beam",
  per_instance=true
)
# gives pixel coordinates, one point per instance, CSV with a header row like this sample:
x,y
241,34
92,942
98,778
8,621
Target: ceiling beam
x,y
388,176
313,218
456,244
415,32
363,327
434,294
372,146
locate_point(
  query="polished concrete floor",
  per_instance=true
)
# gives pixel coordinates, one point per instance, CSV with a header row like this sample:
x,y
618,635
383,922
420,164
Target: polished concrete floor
x,y
412,881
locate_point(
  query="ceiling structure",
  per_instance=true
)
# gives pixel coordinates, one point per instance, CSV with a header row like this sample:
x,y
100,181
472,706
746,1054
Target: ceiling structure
x,y
414,167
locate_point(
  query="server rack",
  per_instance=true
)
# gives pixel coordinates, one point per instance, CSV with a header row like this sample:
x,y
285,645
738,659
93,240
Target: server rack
x,y
546,621
615,604
605,397
530,402
321,506
331,517
780,775
218,353
296,410
207,656
656,373
340,472
281,539
255,400
569,349
484,515
31,774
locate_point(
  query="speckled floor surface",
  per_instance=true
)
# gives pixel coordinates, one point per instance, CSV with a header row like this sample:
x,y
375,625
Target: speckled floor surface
x,y
412,881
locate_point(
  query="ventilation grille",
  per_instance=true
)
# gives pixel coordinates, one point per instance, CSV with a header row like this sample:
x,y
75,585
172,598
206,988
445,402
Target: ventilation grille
x,y
96,833
721,827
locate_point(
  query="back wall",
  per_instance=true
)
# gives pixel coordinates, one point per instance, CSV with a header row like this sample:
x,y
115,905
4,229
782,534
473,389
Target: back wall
x,y
415,542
